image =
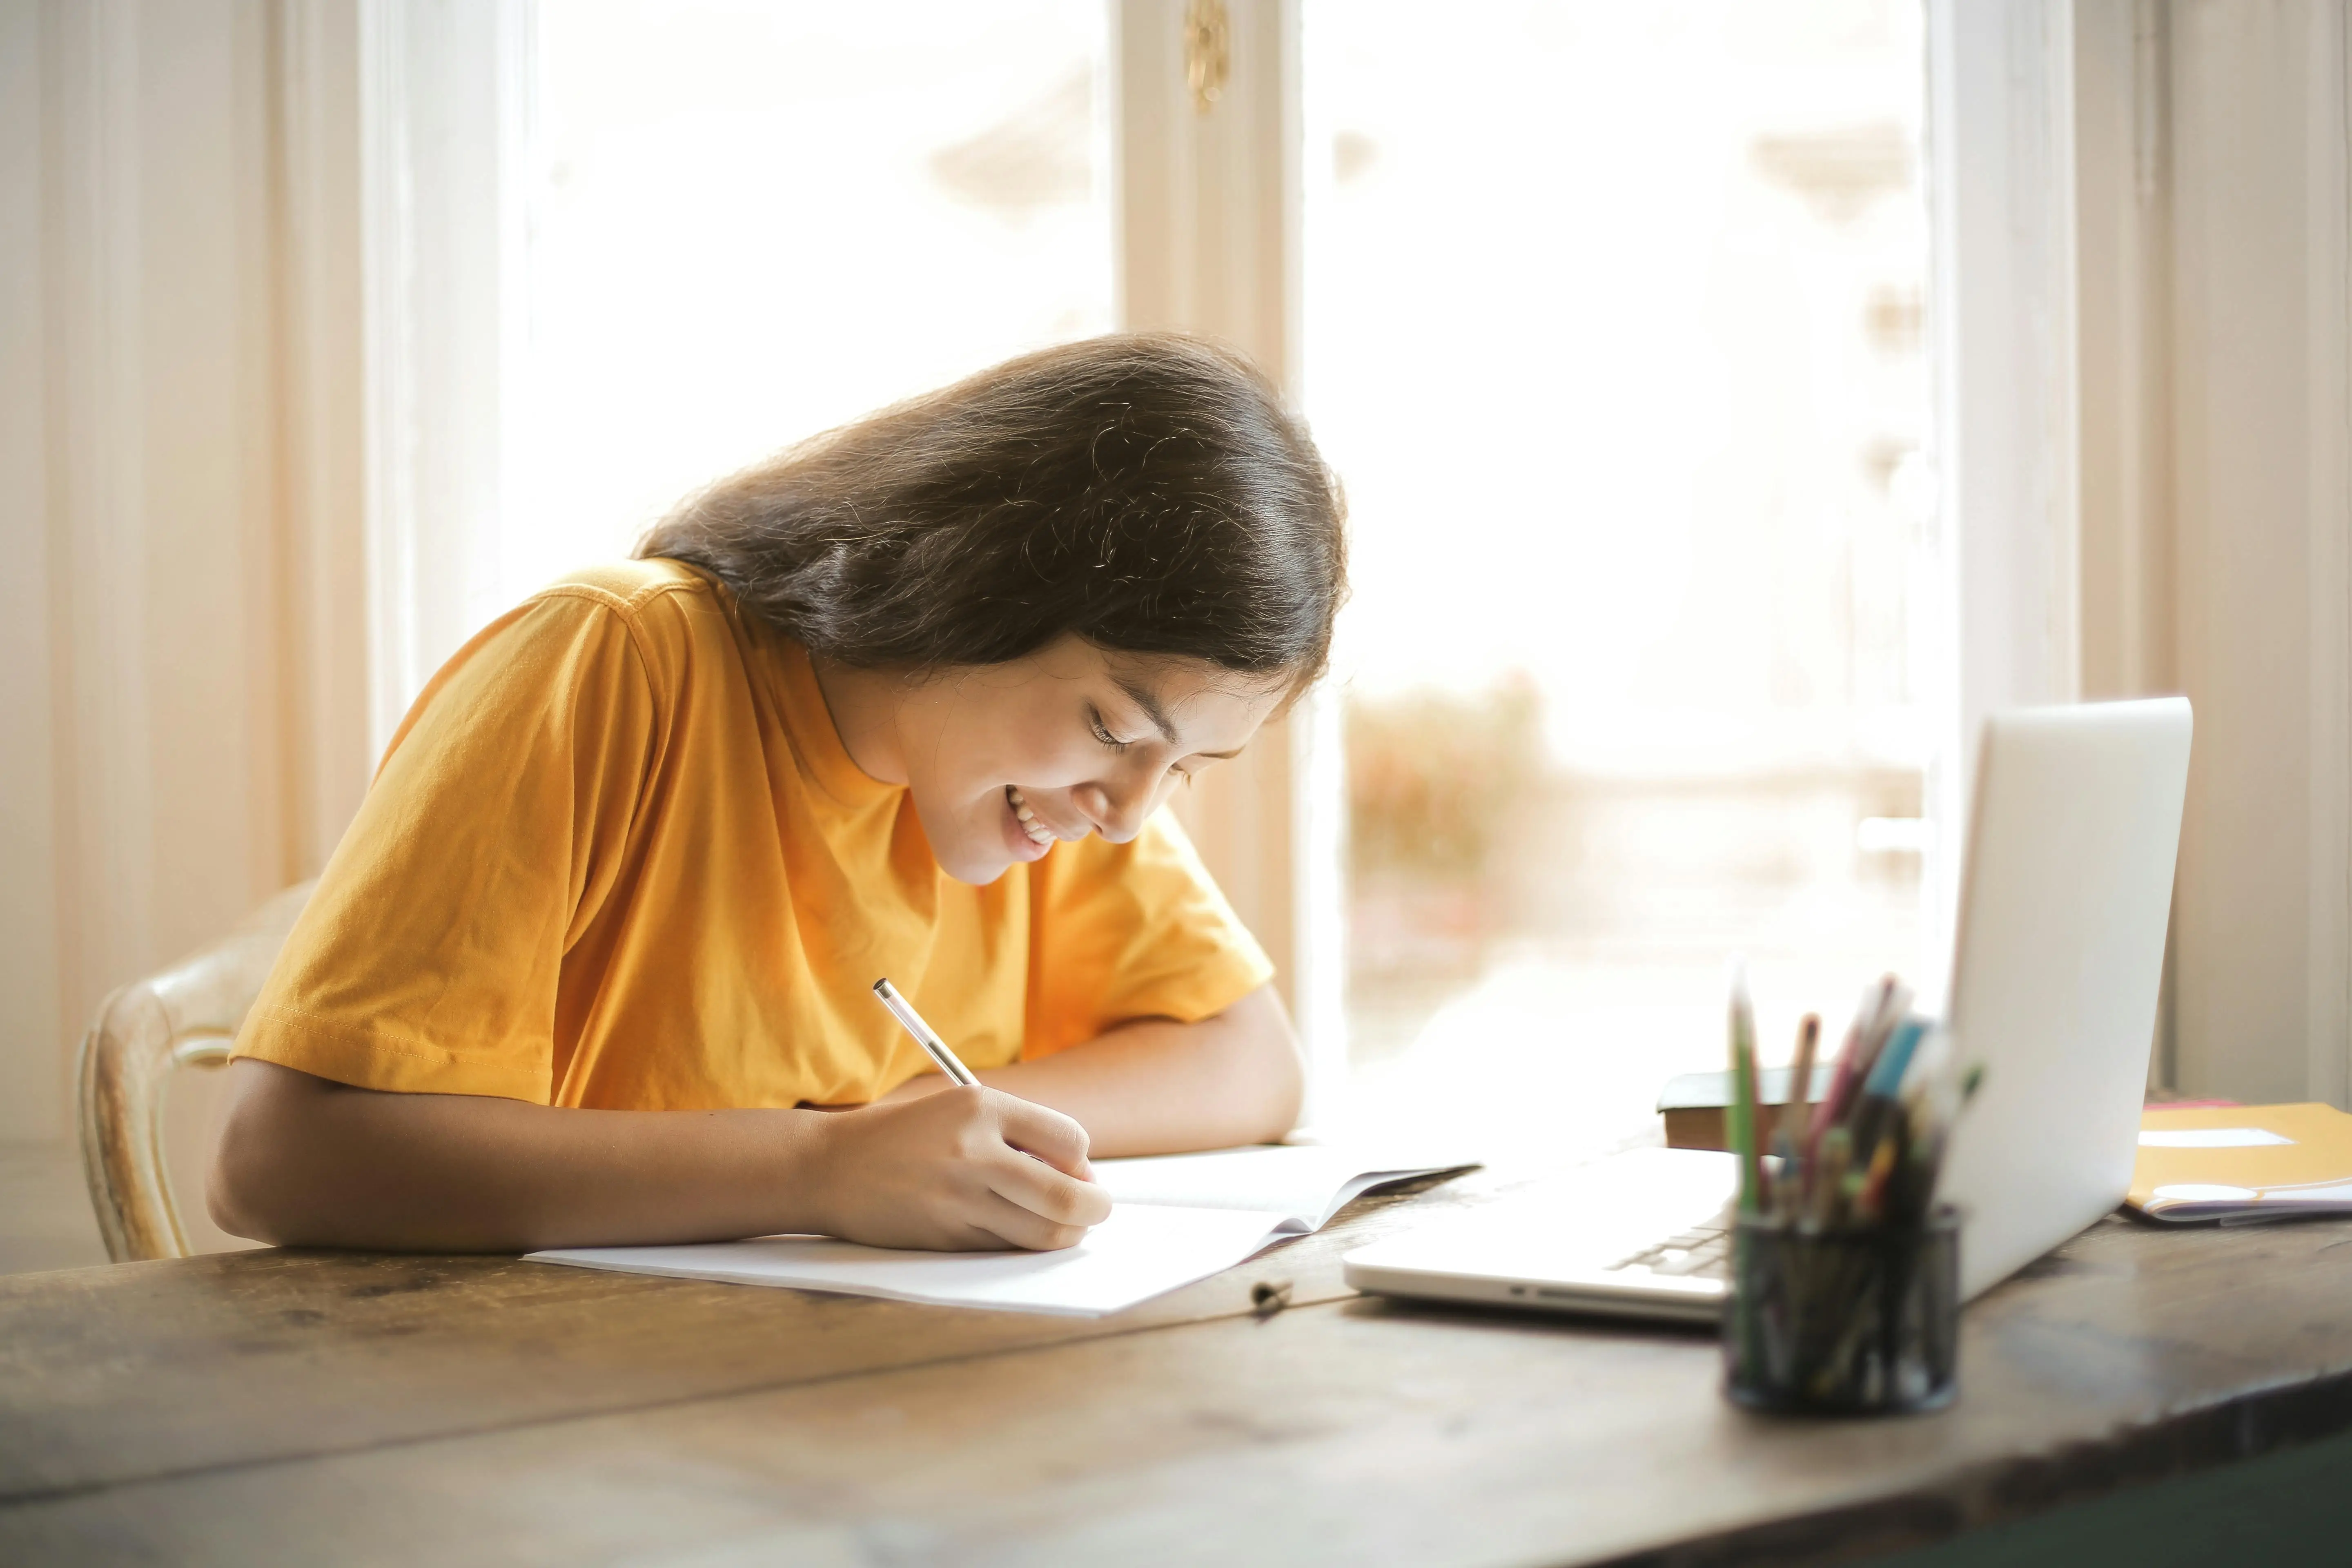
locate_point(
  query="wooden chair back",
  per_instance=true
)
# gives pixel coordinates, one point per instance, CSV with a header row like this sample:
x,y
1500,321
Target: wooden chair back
x,y
187,1015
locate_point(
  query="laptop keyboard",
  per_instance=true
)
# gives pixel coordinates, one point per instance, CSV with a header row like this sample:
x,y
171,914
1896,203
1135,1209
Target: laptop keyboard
x,y
1702,1252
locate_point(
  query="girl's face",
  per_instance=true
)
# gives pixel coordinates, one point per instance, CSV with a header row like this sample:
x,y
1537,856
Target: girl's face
x,y
1004,759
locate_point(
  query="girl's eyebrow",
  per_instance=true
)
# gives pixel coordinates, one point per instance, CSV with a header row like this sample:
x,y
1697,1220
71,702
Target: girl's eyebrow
x,y
1144,697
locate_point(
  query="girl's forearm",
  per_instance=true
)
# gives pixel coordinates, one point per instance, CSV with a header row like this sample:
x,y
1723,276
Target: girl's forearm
x,y
1158,1087
304,1162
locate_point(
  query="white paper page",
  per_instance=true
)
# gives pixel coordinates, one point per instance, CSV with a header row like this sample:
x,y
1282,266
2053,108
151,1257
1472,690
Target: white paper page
x,y
1305,1183
2212,1138
1139,1253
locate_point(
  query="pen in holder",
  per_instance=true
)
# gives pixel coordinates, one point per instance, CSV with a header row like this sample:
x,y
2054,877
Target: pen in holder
x,y
1845,1272
1858,1321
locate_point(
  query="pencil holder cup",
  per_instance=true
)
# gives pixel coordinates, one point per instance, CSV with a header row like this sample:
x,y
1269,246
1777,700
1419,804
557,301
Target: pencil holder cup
x,y
1849,1322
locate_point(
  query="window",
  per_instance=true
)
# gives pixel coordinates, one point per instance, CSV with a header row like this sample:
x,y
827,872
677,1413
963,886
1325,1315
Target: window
x,y
750,222
1611,319
1613,326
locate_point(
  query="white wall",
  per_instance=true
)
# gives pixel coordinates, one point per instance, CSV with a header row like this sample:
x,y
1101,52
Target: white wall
x,y
31,999
2264,431
2213,214
169,683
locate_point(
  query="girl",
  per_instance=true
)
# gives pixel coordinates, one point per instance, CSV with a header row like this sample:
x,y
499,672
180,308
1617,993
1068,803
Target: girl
x,y
593,964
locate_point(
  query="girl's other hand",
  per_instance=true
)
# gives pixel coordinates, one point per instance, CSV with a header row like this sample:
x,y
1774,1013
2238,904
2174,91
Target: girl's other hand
x,y
962,1169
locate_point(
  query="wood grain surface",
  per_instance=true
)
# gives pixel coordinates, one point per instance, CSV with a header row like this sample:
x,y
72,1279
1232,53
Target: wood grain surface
x,y
128,1372
282,1408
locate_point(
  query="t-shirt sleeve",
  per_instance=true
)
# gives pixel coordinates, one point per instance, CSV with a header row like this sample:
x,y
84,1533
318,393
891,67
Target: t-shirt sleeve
x,y
428,958
1123,932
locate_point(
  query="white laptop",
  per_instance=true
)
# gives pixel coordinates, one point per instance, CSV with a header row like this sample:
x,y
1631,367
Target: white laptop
x,y
2060,954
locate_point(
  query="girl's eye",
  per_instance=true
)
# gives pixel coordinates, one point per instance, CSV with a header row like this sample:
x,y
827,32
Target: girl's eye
x,y
1102,733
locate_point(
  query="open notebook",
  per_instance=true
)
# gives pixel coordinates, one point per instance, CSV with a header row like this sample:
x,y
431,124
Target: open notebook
x,y
1175,1218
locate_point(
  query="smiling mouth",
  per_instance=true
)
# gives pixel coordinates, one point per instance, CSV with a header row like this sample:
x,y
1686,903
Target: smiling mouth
x,y
1039,833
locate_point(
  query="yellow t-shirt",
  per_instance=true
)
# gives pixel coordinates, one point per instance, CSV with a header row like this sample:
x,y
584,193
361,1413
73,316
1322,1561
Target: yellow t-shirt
x,y
618,856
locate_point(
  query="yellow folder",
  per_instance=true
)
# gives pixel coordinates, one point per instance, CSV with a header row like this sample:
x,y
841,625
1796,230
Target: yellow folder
x,y
2243,1164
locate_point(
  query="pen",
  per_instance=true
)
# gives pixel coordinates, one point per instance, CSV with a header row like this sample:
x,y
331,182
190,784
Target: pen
x,y
1743,1094
1898,1007
1789,1133
1886,1078
1880,1170
1828,1181
1876,1101
925,1036
1843,1075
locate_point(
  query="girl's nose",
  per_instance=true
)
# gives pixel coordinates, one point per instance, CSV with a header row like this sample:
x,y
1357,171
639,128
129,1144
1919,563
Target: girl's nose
x,y
1117,810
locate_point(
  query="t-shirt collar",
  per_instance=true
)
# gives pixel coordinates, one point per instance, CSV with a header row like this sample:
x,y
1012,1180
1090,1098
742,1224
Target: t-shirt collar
x,y
815,738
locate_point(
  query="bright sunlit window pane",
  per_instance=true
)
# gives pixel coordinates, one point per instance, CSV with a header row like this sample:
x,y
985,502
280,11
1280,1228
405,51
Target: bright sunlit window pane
x,y
753,220
1614,328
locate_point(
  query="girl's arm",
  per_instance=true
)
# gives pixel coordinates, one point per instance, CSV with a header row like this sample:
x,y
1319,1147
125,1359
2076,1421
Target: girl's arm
x,y
1158,1087
302,1161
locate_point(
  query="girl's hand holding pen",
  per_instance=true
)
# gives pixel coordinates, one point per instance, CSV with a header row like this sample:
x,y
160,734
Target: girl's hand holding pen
x,y
966,1169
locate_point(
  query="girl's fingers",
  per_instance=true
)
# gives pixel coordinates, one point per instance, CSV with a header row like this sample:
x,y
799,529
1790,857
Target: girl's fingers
x,y
1051,1136
1046,1192
1018,1225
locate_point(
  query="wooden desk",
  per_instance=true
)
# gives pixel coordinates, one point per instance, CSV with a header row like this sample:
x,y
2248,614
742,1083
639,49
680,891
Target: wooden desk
x,y
279,1407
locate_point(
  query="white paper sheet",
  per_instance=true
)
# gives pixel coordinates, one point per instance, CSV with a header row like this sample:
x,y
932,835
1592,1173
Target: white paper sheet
x,y
2212,1138
1306,1183
1176,1218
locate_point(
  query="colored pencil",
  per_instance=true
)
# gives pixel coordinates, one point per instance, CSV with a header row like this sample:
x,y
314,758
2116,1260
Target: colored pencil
x,y
1743,1094
1847,1072
1788,1134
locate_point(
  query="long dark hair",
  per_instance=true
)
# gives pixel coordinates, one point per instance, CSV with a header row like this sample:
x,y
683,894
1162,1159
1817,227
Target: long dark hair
x,y
1147,492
